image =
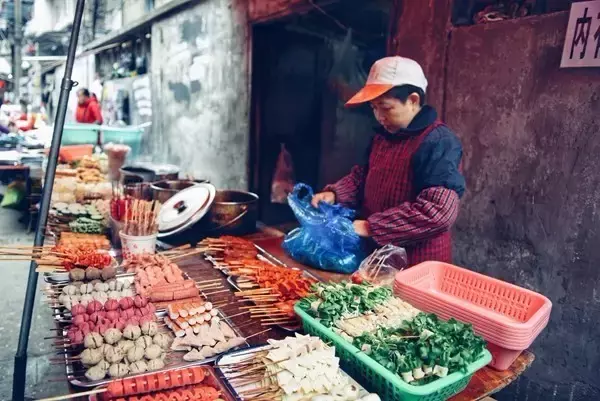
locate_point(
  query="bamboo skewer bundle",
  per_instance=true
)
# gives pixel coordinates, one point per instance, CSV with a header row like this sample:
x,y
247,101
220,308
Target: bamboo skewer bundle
x,y
140,218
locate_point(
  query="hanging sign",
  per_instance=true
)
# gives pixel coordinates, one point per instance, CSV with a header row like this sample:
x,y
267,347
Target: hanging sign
x,y
582,41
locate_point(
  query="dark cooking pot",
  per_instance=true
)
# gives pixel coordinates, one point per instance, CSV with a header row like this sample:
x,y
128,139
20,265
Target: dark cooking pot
x,y
163,190
148,172
232,213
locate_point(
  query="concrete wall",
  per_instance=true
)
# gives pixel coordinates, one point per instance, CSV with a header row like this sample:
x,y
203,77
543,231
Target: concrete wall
x,y
133,10
200,92
530,133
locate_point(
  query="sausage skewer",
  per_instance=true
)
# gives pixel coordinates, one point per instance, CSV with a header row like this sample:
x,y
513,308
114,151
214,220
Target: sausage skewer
x,y
143,384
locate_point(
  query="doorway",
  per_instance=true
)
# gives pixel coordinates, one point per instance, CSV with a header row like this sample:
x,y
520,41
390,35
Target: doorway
x,y
303,69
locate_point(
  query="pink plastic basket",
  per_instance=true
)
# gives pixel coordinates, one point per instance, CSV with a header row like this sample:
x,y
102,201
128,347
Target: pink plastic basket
x,y
500,335
507,316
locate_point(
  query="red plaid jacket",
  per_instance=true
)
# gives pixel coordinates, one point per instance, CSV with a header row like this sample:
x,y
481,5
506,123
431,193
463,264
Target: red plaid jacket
x,y
409,191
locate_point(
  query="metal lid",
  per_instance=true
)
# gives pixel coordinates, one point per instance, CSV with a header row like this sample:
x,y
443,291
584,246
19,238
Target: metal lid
x,y
185,209
156,168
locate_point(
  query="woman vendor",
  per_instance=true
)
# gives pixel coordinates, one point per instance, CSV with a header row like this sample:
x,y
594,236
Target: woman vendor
x,y
408,191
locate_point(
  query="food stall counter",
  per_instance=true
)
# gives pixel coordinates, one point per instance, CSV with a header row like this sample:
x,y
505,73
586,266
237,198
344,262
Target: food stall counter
x,y
484,383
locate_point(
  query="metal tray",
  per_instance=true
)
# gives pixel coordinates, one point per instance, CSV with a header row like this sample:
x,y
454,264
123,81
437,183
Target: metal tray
x,y
232,356
211,379
58,278
291,328
63,315
265,257
81,381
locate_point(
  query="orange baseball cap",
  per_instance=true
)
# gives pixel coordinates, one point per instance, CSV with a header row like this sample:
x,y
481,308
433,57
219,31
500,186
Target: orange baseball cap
x,y
387,73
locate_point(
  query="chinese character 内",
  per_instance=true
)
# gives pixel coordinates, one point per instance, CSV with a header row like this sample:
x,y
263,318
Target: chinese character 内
x,y
582,33
597,37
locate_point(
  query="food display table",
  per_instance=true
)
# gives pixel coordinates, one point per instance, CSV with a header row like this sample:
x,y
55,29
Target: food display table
x,y
484,383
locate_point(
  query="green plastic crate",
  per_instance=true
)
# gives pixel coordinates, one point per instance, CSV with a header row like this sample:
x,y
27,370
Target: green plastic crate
x,y
379,380
130,136
80,134
87,134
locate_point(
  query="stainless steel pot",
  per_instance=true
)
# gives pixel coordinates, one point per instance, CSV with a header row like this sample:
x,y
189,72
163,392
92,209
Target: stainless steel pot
x,y
163,190
232,213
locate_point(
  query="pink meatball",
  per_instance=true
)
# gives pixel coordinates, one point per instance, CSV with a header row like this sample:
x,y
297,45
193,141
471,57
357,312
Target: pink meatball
x,y
146,318
94,306
120,324
79,320
111,304
85,330
78,310
113,315
138,301
93,317
126,303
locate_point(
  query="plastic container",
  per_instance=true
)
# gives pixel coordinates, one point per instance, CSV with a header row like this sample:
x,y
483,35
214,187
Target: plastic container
x,y
80,134
506,337
378,379
507,316
75,152
137,245
130,136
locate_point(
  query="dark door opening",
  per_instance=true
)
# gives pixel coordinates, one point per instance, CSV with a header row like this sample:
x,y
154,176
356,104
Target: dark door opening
x,y
304,68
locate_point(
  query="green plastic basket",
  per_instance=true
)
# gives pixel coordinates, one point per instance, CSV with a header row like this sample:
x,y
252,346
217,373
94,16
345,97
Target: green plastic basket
x,y
131,136
379,380
87,134
80,134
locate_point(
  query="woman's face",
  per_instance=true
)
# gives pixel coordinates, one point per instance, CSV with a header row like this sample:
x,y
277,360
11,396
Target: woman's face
x,y
393,114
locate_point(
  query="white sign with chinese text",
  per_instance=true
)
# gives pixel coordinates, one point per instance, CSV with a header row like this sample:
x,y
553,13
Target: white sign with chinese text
x,y
582,42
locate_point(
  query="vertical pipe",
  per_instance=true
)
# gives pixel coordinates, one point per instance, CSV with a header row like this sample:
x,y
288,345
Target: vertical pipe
x,y
66,86
18,41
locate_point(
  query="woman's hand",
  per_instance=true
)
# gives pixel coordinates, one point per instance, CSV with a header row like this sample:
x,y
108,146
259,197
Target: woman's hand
x,y
327,197
361,227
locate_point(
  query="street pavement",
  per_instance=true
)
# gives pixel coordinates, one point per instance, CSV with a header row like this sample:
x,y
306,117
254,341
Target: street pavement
x,y
43,379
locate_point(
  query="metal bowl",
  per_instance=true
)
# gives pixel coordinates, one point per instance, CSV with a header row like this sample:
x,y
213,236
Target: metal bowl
x,y
163,190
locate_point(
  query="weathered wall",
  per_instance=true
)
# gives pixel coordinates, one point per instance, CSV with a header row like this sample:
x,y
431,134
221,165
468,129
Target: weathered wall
x,y
530,133
421,34
268,9
200,92
133,10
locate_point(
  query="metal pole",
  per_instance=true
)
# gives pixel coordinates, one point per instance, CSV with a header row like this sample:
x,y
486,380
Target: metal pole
x,y
66,86
18,41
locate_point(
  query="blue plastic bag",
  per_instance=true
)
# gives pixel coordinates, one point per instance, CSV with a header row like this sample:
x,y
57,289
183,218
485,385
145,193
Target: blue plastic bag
x,y
326,238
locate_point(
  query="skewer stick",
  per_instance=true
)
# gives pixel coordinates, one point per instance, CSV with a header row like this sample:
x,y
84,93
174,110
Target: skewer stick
x,y
74,395
238,314
256,334
284,322
208,281
216,292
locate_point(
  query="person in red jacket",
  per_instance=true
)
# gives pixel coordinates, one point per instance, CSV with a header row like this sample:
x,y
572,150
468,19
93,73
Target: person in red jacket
x,y
408,192
88,109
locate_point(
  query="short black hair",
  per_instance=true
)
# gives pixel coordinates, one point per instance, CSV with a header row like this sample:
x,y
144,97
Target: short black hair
x,y
402,93
84,92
